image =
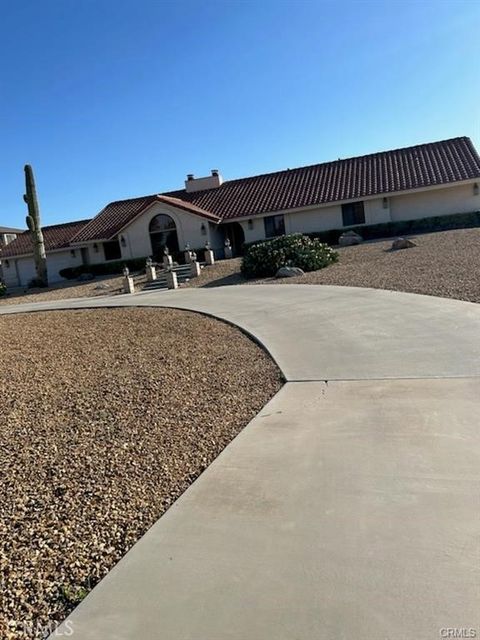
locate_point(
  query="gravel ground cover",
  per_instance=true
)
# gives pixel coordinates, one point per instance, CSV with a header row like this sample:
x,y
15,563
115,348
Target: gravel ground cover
x,y
107,417
101,286
445,264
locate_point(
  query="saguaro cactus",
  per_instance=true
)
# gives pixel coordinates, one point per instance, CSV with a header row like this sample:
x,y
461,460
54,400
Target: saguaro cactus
x,y
33,223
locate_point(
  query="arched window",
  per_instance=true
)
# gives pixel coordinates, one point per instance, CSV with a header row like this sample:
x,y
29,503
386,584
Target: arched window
x,y
160,223
163,233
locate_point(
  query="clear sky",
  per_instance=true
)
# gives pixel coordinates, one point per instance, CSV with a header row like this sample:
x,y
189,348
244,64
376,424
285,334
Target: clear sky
x,y
109,99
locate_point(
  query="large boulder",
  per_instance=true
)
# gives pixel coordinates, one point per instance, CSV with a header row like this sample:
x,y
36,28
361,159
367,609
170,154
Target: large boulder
x,y
289,272
402,243
349,238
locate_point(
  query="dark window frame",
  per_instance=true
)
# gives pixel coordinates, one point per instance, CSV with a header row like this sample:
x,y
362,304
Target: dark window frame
x,y
353,213
274,225
112,250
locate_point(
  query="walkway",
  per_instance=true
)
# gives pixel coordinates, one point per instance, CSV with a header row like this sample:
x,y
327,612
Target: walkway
x,y
347,509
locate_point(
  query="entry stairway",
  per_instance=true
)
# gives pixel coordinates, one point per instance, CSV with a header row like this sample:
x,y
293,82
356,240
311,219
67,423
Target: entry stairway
x,y
183,272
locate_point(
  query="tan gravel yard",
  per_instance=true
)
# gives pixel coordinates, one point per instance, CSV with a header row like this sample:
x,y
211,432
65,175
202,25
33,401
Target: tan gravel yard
x,y
107,417
445,264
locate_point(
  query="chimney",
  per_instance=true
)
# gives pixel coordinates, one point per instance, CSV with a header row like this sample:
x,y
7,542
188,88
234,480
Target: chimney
x,y
202,184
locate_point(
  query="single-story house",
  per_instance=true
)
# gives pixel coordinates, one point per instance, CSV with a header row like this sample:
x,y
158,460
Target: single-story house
x,y
439,178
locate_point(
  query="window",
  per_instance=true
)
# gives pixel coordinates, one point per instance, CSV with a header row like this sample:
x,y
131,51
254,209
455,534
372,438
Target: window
x,y
353,213
274,226
112,250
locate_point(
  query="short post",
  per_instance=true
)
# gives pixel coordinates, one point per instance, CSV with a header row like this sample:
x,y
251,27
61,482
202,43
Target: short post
x,y
187,254
209,257
150,270
128,285
172,281
167,259
228,249
195,269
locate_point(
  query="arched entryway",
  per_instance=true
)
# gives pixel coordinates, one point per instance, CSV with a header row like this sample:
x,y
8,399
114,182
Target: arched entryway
x,y
163,233
234,232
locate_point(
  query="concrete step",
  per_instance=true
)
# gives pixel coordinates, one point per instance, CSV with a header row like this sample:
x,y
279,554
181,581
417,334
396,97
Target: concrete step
x,y
155,286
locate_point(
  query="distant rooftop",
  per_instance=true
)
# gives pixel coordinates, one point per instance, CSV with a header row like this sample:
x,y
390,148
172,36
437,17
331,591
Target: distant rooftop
x,y
10,230
56,236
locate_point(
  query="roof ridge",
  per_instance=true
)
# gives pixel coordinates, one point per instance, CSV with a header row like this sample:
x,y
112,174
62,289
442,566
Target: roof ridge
x,y
62,224
327,162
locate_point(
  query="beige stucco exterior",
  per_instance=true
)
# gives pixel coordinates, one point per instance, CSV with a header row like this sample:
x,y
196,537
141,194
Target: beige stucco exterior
x,y
192,229
435,202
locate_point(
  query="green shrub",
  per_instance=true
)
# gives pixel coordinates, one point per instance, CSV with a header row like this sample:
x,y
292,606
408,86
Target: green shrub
x,y
37,283
265,258
104,268
3,289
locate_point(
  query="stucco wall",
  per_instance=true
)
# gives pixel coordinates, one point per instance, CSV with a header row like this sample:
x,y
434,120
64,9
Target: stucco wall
x,y
18,272
319,219
189,229
437,202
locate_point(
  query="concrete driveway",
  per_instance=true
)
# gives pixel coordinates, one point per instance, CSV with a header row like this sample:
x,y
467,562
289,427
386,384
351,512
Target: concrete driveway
x,y
347,509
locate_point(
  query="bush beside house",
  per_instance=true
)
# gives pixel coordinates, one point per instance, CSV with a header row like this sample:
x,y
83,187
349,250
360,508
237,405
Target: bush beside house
x,y
404,227
104,268
265,258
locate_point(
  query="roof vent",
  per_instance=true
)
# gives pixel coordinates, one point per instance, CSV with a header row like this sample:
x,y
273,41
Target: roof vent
x,y
202,184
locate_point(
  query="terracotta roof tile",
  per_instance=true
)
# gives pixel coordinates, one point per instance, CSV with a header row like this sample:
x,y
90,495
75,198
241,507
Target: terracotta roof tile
x,y
424,165
55,236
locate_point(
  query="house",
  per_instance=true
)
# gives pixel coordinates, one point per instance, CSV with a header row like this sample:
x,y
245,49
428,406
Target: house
x,y
434,179
17,257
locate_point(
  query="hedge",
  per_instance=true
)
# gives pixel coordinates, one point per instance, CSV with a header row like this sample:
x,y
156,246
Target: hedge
x,y
404,227
103,268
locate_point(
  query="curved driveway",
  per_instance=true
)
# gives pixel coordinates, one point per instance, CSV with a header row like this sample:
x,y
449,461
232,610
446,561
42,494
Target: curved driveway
x,y
331,333
347,509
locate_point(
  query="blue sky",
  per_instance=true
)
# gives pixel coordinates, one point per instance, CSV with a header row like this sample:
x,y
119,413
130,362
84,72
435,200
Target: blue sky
x,y
109,99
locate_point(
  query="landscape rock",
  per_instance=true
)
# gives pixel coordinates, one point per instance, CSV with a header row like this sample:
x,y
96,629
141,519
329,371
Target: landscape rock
x,y
289,272
102,285
402,243
349,238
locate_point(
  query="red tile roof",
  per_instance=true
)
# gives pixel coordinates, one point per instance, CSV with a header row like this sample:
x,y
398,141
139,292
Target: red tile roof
x,y
424,165
385,172
116,215
56,236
